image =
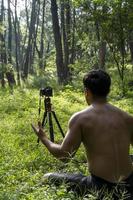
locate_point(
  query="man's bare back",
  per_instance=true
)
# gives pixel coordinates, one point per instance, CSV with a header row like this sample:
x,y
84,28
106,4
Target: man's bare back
x,y
106,135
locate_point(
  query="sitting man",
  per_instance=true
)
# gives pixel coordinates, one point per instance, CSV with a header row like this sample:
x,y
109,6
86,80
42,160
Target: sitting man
x,y
106,133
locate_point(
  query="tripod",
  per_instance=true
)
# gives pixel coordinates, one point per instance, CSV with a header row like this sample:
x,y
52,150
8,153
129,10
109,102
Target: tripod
x,y
47,116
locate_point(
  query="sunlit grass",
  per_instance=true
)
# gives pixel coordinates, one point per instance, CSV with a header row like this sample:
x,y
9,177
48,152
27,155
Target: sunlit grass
x,y
22,161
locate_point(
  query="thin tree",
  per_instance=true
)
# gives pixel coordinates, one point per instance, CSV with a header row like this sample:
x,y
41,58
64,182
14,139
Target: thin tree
x,y
65,27
17,49
3,57
9,33
29,54
72,55
40,50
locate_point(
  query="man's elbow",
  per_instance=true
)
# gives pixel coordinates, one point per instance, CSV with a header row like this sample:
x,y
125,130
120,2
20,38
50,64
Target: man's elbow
x,y
67,157
63,155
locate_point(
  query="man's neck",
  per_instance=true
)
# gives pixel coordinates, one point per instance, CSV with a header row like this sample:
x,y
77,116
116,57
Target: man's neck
x,y
99,101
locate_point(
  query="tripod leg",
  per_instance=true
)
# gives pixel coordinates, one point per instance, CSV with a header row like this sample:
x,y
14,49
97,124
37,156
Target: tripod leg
x,y
51,127
59,126
44,118
43,122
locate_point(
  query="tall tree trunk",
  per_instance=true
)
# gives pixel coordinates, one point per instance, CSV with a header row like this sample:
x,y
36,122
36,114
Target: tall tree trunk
x,y
34,36
64,37
2,46
3,55
42,62
102,55
72,58
24,41
68,37
29,53
102,43
16,43
9,34
122,50
40,51
58,44
97,26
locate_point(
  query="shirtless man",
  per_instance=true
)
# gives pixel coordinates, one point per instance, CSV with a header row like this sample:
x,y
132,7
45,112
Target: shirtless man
x,y
106,132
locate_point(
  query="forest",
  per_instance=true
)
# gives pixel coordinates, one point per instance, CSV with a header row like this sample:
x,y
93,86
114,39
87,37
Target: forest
x,y
55,43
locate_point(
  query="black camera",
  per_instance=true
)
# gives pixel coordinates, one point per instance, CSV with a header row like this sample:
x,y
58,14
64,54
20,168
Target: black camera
x,y
48,92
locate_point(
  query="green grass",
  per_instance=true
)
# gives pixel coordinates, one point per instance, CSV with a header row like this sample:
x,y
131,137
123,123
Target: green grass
x,y
22,162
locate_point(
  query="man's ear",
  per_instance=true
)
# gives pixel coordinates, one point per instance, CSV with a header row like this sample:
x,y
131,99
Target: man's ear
x,y
88,96
88,93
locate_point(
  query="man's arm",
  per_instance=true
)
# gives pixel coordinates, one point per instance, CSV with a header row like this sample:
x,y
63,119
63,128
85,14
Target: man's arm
x,y
70,143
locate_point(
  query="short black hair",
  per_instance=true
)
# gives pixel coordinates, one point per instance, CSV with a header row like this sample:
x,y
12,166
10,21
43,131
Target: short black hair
x,y
98,82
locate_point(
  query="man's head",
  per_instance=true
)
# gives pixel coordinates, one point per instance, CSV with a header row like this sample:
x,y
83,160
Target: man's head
x,y
97,85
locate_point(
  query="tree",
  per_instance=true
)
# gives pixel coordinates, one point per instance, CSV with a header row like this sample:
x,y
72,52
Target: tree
x,y
58,43
72,55
30,48
17,47
65,23
9,33
40,51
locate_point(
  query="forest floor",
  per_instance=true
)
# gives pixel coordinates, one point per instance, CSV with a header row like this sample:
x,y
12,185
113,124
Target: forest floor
x,y
22,161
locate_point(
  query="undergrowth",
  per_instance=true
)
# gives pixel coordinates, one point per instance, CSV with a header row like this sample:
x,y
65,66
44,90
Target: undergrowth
x,y
22,161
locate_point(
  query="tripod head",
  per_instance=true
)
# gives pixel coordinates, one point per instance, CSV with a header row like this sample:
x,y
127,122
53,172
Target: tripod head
x,y
46,93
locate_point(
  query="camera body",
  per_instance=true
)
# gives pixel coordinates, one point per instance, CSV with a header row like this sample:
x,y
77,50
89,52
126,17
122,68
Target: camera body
x,y
48,92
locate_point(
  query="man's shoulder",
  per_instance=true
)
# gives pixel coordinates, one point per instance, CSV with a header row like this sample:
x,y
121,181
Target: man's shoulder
x,y
78,116
121,110
122,113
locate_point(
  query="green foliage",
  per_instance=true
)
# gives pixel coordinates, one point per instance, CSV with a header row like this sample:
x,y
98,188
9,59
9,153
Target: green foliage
x,y
110,22
44,77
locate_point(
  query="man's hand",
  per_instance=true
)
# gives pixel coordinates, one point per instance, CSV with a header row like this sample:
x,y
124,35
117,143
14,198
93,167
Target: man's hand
x,y
70,143
38,130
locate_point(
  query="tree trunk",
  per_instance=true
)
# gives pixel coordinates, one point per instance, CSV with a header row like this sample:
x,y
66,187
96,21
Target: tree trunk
x,y
68,37
29,53
34,36
64,39
24,41
9,34
58,43
102,55
10,78
72,58
42,63
97,24
102,43
2,47
122,51
16,42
